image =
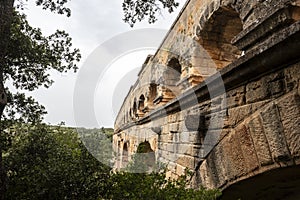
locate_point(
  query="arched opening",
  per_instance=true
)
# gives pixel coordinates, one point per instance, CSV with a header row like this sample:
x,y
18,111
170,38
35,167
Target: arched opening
x,y
134,110
130,114
146,155
217,34
168,87
141,106
173,72
281,183
141,102
125,155
152,93
118,162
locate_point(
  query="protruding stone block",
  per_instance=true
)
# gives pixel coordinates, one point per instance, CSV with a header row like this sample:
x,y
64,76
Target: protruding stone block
x,y
274,134
257,91
289,108
247,147
260,141
235,160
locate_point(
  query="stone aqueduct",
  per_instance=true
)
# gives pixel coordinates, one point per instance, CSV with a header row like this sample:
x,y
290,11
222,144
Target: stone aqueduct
x,y
221,97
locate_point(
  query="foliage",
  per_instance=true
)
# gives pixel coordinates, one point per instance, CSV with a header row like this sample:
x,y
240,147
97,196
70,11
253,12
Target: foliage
x,y
56,6
144,147
154,186
126,185
138,10
31,55
30,58
51,163
47,162
98,142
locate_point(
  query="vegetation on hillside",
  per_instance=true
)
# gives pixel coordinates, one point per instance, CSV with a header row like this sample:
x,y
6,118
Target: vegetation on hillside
x,y
51,162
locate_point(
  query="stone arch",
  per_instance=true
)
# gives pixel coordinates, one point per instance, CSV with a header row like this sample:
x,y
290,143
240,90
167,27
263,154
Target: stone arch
x,y
130,113
173,72
147,154
134,110
168,84
152,93
125,155
215,35
141,105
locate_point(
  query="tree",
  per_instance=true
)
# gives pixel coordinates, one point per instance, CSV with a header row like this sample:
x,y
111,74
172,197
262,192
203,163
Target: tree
x,y
138,10
48,162
26,55
26,58
154,185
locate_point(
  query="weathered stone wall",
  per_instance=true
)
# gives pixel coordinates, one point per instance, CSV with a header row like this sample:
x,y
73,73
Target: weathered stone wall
x,y
221,96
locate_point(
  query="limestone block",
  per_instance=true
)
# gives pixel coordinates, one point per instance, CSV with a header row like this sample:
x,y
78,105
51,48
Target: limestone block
x,y
176,137
164,138
164,154
165,130
181,148
217,103
216,166
203,107
174,156
192,137
168,174
158,122
212,137
236,97
257,91
194,122
260,141
289,108
170,137
238,114
205,176
195,151
180,116
171,147
247,147
257,105
195,182
276,87
163,146
173,117
234,160
274,133
184,137
292,77
215,120
186,161
174,127
180,170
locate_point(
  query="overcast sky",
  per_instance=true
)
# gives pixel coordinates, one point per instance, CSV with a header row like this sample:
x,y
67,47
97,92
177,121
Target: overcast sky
x,y
93,23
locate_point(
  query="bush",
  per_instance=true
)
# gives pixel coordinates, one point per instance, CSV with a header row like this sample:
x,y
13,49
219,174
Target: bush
x,y
46,162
